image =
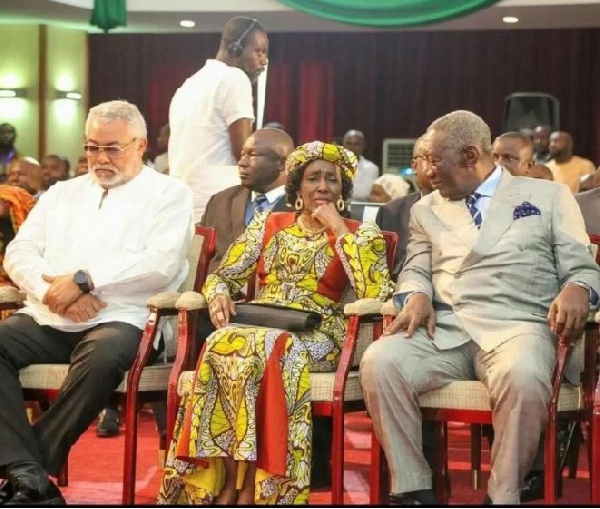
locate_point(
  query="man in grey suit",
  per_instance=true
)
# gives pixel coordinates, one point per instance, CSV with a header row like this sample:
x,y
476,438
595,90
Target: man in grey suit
x,y
261,170
497,267
589,203
394,215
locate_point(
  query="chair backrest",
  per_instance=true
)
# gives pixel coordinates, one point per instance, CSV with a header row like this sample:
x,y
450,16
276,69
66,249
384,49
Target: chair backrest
x,y
201,252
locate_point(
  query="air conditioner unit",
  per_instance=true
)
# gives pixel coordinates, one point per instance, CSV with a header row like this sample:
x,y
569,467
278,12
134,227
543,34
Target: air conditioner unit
x,y
397,154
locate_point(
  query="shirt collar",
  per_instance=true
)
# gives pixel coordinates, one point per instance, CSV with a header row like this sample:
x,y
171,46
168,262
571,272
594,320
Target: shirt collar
x,y
272,196
489,185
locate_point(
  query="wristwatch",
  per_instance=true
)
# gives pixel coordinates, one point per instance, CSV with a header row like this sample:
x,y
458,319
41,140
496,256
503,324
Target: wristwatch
x,y
80,278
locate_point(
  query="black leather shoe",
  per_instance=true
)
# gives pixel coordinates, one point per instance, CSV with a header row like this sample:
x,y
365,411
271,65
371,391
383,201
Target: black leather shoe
x,y
5,491
108,425
533,489
32,487
420,497
487,500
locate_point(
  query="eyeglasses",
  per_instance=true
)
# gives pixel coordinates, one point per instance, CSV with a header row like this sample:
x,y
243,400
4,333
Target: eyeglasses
x,y
112,151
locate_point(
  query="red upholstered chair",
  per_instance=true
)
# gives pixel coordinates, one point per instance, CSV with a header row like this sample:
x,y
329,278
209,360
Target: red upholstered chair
x,y
332,393
593,328
142,383
468,401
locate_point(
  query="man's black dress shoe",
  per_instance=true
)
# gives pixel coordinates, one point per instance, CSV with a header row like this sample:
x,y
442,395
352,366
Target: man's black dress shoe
x,y
420,497
533,489
5,491
487,500
30,485
108,424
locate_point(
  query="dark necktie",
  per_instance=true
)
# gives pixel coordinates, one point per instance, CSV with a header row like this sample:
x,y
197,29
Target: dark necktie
x,y
470,200
260,203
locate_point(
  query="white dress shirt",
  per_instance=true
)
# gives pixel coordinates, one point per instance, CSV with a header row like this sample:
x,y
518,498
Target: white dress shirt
x,y
366,173
132,239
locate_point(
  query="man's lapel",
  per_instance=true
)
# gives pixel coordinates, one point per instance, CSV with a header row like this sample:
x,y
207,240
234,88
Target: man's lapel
x,y
498,219
456,218
238,209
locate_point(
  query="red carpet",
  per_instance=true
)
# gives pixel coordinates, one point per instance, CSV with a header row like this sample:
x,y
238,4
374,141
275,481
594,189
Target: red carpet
x,y
96,468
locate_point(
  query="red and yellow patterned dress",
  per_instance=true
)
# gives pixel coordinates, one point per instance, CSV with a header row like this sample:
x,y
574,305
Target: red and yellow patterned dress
x,y
251,394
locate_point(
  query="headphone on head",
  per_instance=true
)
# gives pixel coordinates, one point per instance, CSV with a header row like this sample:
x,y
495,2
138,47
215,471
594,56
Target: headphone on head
x,y
236,48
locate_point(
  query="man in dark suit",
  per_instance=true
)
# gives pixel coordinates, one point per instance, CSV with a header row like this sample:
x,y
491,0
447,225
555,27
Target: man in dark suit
x,y
394,216
261,170
589,203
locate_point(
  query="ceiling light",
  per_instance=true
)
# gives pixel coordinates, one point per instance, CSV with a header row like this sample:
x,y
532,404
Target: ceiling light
x,y
187,23
510,19
68,94
10,93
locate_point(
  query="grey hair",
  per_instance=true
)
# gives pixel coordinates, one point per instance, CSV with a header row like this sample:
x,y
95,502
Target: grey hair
x,y
118,110
464,128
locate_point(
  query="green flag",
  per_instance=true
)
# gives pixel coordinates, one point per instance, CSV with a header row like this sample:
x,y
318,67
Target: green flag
x,y
109,14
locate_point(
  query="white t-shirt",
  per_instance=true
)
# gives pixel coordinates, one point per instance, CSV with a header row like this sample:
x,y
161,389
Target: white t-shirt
x,y
200,113
366,173
133,242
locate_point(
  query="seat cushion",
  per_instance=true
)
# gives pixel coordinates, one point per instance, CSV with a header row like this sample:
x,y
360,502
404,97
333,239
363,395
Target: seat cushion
x,y
52,376
321,386
472,395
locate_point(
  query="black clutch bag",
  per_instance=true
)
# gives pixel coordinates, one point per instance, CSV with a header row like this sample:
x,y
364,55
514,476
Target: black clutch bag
x,y
276,316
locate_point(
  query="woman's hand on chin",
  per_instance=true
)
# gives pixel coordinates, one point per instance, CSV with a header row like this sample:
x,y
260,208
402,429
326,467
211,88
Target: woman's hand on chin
x,y
328,215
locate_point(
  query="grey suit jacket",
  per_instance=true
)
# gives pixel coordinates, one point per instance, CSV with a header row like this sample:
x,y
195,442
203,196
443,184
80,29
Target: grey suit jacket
x,y
589,203
226,211
394,217
493,284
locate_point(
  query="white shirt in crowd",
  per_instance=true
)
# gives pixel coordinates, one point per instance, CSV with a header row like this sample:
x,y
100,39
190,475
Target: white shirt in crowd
x,y
201,110
366,173
161,162
133,240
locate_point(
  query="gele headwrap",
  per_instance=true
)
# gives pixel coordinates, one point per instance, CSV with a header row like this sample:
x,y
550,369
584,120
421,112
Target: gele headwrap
x,y
315,150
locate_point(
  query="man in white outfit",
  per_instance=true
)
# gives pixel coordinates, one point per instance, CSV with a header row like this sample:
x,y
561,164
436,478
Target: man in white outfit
x,y
211,114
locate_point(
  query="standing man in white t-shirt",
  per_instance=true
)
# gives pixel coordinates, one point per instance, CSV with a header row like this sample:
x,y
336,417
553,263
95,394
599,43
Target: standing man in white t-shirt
x,y
211,114
367,171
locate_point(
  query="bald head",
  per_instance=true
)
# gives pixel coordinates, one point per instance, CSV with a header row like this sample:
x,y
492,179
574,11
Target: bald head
x,y
262,163
513,151
561,146
354,140
25,172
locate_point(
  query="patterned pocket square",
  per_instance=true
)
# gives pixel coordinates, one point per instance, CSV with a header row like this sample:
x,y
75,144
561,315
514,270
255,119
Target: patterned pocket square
x,y
526,209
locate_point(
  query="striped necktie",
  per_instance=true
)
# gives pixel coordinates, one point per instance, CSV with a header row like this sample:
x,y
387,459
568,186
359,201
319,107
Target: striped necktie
x,y
260,203
471,200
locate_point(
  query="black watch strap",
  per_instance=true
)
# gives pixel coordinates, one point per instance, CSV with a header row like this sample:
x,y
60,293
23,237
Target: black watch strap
x,y
80,278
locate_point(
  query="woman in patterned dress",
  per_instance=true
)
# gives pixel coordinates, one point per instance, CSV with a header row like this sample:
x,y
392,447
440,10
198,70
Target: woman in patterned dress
x,y
243,435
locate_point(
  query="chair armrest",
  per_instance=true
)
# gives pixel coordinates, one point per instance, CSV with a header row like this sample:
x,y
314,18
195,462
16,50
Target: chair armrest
x,y
163,300
366,306
388,308
11,295
191,300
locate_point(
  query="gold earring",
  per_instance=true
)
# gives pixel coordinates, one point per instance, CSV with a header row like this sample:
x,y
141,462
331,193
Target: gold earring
x,y
299,203
340,204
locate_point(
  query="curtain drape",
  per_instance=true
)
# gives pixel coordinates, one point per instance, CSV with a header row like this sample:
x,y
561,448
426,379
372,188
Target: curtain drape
x,y
388,13
109,14
387,84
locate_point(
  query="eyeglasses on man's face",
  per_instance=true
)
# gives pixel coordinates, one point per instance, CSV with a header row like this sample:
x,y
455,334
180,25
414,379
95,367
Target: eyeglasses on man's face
x,y
112,151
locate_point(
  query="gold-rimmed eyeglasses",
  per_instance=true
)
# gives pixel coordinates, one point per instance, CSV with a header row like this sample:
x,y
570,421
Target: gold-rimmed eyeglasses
x,y
112,151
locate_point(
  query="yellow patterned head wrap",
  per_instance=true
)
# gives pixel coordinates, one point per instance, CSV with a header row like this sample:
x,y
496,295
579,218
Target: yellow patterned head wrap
x,y
309,152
